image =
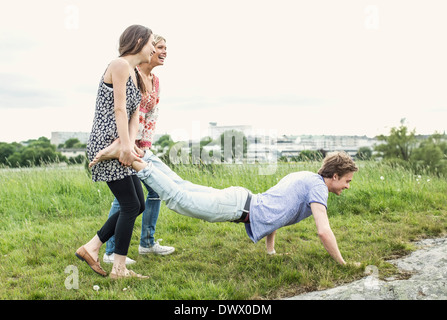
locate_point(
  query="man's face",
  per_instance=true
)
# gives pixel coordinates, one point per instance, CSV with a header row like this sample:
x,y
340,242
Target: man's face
x,y
338,184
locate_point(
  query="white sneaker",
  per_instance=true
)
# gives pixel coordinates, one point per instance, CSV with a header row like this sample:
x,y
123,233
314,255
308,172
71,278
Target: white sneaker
x,y
110,258
156,249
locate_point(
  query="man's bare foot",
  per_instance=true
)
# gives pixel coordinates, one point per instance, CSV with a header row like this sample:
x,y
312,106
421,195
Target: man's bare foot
x,y
111,152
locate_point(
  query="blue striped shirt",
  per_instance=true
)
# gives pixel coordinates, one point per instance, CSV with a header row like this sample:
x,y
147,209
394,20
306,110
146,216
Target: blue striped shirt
x,y
285,204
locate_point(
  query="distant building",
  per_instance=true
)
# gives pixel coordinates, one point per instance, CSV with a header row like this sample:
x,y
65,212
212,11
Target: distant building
x,y
215,131
350,144
71,153
261,148
58,138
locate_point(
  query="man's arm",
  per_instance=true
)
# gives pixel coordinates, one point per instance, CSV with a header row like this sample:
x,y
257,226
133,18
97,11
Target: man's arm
x,y
325,232
270,243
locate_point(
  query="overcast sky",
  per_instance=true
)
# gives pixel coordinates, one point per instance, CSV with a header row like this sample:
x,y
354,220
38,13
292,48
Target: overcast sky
x,y
349,67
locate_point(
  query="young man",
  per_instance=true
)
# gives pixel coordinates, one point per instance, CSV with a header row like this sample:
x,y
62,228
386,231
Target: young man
x,y
295,197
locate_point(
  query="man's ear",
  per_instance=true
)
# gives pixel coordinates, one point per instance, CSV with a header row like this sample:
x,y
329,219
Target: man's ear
x,y
335,176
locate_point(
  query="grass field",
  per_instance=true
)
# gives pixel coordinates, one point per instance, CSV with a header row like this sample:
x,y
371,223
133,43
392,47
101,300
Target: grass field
x,y
46,214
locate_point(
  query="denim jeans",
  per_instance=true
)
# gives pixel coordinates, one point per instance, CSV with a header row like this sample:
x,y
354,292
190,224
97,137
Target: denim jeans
x,y
186,198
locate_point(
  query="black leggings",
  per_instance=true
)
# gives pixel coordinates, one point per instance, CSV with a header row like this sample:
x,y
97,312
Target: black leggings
x,y
130,196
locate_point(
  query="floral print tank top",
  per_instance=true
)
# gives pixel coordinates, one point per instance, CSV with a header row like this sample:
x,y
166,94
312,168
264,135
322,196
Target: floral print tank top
x,y
105,131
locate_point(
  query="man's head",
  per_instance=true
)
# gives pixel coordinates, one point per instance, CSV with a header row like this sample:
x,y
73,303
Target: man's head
x,y
338,169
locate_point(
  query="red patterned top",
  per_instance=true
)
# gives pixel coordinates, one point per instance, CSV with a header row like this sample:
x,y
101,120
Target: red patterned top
x,y
148,115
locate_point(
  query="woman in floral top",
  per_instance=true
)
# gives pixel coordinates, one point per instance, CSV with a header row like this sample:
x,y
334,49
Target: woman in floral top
x,y
147,121
148,109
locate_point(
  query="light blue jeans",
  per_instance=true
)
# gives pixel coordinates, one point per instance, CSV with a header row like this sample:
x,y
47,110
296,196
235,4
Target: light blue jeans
x,y
186,198
149,220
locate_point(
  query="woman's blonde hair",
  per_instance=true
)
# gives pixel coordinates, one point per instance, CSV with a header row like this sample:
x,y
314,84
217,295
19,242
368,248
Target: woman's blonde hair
x,y
339,163
158,38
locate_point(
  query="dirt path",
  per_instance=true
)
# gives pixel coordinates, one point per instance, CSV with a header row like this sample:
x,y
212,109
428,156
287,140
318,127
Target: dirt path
x,y
428,281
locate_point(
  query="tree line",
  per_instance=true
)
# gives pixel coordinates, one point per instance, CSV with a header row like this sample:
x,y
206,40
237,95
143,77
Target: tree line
x,y
402,147
34,152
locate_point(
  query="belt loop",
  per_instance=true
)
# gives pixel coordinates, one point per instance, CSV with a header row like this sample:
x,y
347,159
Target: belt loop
x,y
246,211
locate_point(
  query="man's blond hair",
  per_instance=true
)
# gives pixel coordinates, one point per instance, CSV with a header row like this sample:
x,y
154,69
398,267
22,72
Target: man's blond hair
x,y
339,163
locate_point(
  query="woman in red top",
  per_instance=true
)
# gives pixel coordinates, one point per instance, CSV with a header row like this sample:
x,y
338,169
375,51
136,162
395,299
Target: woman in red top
x,y
149,100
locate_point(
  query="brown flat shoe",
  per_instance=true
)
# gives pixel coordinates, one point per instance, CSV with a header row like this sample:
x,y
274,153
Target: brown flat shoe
x,y
127,275
82,254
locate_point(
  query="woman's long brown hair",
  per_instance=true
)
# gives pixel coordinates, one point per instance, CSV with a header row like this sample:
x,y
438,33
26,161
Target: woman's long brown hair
x,y
129,45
